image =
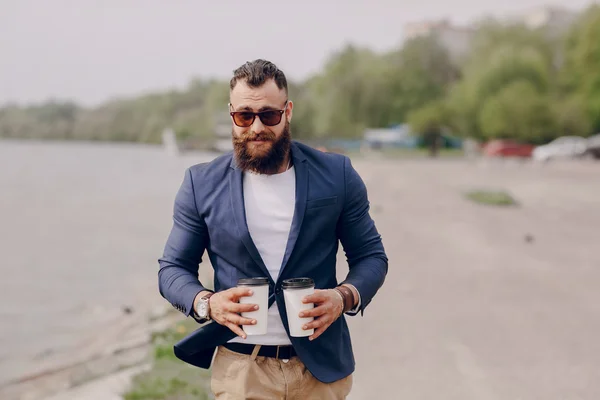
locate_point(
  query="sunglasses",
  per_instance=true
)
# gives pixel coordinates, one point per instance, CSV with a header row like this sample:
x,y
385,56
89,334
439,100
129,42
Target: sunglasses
x,y
245,119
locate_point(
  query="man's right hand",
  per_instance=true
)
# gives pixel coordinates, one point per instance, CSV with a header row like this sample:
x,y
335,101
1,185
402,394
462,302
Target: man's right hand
x,y
225,309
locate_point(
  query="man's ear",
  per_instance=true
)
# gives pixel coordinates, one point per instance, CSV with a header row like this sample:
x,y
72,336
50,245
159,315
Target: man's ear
x,y
289,111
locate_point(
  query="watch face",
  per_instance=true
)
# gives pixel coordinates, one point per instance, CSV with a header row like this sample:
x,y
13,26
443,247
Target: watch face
x,y
202,309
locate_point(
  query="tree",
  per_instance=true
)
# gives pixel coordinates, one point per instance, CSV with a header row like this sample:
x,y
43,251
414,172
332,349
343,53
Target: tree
x,y
349,95
303,122
493,35
430,121
420,72
485,79
519,112
572,116
581,73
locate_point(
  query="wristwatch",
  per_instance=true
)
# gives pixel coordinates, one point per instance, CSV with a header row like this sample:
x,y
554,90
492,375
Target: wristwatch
x,y
203,309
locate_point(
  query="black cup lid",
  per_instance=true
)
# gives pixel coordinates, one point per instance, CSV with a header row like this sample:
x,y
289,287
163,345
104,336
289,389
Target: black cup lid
x,y
253,281
298,283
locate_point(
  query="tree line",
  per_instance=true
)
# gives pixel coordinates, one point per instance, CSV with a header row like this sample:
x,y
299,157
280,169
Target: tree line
x,y
515,83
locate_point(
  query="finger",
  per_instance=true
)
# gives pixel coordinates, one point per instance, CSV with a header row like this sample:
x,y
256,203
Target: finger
x,y
317,323
317,333
317,297
238,320
237,292
240,308
314,312
236,329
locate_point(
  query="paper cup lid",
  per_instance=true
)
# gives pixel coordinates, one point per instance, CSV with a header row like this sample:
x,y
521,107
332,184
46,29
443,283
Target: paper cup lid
x,y
253,281
298,283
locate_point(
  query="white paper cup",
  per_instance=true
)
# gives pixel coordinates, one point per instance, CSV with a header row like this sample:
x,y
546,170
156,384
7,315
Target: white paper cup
x,y
260,287
294,290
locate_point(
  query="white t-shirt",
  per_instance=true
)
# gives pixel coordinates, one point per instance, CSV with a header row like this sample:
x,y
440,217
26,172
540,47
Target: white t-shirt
x,y
269,201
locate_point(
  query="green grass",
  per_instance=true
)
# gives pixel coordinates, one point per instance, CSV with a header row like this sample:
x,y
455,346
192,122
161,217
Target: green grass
x,y
170,378
492,198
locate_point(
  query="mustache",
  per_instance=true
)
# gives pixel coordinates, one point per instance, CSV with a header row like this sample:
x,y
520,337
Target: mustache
x,y
248,137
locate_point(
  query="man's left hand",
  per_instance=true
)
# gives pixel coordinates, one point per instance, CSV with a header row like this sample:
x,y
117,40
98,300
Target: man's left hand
x,y
328,307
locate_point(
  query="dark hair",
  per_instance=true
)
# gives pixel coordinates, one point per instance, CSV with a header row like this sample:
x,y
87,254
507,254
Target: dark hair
x,y
256,73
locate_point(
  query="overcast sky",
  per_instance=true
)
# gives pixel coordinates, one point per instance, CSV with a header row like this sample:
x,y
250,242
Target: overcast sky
x,y
92,50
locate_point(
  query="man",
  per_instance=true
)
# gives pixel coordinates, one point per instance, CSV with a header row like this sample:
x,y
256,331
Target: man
x,y
272,208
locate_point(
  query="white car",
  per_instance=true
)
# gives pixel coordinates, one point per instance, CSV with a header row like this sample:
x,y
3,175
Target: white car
x,y
593,149
562,147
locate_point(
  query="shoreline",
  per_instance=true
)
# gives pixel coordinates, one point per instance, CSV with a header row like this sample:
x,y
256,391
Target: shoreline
x,y
109,387
118,357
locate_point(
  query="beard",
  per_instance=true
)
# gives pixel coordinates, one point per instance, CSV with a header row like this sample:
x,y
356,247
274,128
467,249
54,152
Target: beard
x,y
264,159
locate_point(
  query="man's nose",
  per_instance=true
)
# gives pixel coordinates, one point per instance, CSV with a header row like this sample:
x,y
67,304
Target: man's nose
x,y
257,125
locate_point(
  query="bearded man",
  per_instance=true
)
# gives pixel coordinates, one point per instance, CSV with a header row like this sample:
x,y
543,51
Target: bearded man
x,y
277,209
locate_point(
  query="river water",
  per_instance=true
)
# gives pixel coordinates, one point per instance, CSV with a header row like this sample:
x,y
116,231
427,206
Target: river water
x,y
81,228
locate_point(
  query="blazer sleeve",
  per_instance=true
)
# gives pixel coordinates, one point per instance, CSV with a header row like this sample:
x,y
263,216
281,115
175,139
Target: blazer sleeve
x,y
178,267
367,260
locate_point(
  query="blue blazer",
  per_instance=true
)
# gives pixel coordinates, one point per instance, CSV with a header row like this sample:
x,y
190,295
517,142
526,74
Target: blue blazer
x,y
331,207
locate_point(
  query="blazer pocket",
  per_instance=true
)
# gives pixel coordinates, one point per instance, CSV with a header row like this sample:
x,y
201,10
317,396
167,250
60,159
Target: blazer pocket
x,y
322,202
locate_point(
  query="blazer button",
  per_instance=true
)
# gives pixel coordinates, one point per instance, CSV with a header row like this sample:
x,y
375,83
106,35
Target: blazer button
x,y
278,291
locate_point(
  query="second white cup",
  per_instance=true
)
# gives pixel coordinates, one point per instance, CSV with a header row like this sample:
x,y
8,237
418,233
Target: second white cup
x,y
260,287
294,290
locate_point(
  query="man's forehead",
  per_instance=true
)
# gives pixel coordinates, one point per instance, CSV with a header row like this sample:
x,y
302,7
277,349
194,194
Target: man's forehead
x,y
267,95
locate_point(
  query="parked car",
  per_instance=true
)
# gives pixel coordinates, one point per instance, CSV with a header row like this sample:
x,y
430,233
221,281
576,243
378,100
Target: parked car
x,y
507,148
562,147
593,146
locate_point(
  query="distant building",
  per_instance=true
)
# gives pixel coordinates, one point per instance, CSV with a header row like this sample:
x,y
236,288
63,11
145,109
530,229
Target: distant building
x,y
556,21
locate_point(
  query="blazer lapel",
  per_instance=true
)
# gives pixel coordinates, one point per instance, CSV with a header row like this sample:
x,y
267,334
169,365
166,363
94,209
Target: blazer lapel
x,y
301,169
239,213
